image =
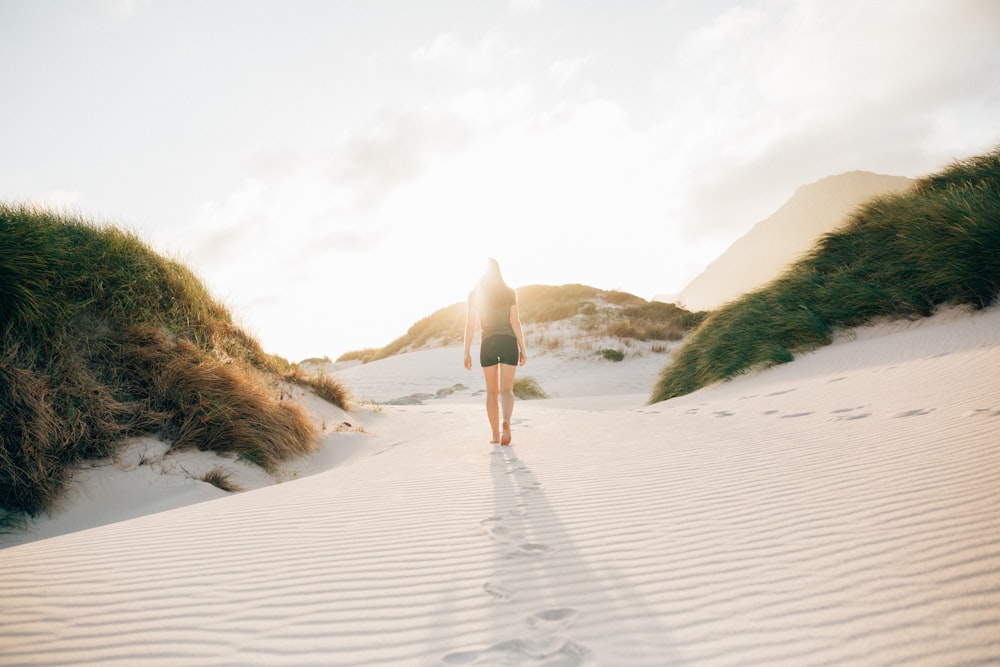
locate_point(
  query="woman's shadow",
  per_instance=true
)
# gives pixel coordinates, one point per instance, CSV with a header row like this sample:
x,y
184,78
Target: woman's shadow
x,y
540,571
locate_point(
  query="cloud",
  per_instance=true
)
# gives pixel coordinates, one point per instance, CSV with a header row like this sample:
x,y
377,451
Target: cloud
x,y
781,94
565,72
526,5
123,10
60,200
448,52
394,150
546,166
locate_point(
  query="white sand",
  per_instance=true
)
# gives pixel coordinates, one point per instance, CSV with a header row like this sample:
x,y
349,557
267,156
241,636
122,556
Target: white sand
x,y
840,510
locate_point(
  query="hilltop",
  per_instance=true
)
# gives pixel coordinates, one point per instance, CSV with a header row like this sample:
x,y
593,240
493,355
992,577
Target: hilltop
x,y
573,319
766,251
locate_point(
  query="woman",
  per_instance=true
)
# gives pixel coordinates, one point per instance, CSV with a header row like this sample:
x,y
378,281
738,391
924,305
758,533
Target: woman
x,y
494,305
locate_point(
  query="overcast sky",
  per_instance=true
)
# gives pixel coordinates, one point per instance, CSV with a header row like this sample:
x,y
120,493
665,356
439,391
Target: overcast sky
x,y
337,170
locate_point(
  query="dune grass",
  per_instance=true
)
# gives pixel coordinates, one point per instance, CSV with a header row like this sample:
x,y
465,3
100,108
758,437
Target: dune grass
x,y
102,338
608,312
527,388
898,256
222,479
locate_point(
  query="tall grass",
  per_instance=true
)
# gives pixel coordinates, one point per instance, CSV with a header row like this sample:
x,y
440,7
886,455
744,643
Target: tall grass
x,y
101,338
898,256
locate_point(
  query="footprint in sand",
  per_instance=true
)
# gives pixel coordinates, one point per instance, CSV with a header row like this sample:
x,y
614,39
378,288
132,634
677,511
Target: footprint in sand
x,y
517,470
543,645
503,534
551,619
779,393
982,412
843,416
723,413
549,651
528,550
498,531
850,418
914,413
499,592
793,415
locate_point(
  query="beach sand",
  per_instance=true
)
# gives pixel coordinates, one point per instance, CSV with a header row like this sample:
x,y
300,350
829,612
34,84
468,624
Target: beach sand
x,y
843,509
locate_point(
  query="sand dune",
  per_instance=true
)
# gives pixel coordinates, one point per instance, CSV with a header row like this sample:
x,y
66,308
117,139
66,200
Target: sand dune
x,y
839,510
764,252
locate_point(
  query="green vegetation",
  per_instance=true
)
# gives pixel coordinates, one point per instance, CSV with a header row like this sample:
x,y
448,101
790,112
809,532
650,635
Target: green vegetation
x,y
654,320
527,387
102,338
612,355
898,256
442,327
611,313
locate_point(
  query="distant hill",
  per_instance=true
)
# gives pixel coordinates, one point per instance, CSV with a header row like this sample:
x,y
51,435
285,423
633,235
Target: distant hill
x,y
773,244
897,256
552,316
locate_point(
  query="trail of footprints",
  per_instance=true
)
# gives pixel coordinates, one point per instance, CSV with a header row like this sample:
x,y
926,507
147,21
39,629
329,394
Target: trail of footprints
x,y
543,641
841,414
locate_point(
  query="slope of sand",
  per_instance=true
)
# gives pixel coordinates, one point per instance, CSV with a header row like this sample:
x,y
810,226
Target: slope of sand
x,y
839,510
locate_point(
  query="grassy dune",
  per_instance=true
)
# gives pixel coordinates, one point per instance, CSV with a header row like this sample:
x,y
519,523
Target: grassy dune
x,y
608,313
898,256
102,338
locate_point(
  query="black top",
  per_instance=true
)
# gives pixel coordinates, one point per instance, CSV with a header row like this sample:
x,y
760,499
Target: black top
x,y
493,305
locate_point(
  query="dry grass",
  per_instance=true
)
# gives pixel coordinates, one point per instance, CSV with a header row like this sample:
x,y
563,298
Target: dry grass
x,y
221,478
527,388
101,338
210,404
324,386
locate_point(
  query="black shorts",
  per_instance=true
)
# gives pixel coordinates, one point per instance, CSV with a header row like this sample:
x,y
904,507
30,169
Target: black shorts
x,y
499,349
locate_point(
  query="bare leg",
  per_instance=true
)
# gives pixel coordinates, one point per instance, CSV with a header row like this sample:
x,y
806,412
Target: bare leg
x,y
507,399
491,374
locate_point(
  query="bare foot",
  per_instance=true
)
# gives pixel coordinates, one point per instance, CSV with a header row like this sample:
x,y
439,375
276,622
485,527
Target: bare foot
x,y
505,438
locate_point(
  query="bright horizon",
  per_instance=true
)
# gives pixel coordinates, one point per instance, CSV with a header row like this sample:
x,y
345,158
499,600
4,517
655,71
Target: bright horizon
x,y
337,171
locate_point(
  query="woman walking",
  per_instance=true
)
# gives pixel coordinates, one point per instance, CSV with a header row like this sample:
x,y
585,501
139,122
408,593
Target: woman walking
x,y
501,349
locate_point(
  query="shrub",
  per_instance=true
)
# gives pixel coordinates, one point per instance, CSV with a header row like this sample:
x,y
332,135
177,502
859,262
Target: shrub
x,y
527,387
612,355
221,478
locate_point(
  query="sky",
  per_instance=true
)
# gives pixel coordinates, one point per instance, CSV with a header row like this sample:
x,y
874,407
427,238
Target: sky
x,y
336,170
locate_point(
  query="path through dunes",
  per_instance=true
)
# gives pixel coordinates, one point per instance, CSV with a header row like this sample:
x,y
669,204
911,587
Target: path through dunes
x,y
840,510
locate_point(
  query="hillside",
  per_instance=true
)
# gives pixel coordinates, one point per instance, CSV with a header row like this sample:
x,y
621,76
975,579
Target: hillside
x,y
554,317
773,244
899,256
104,339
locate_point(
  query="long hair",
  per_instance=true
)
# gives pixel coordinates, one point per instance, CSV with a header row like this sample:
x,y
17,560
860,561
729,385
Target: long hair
x,y
491,284
492,278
